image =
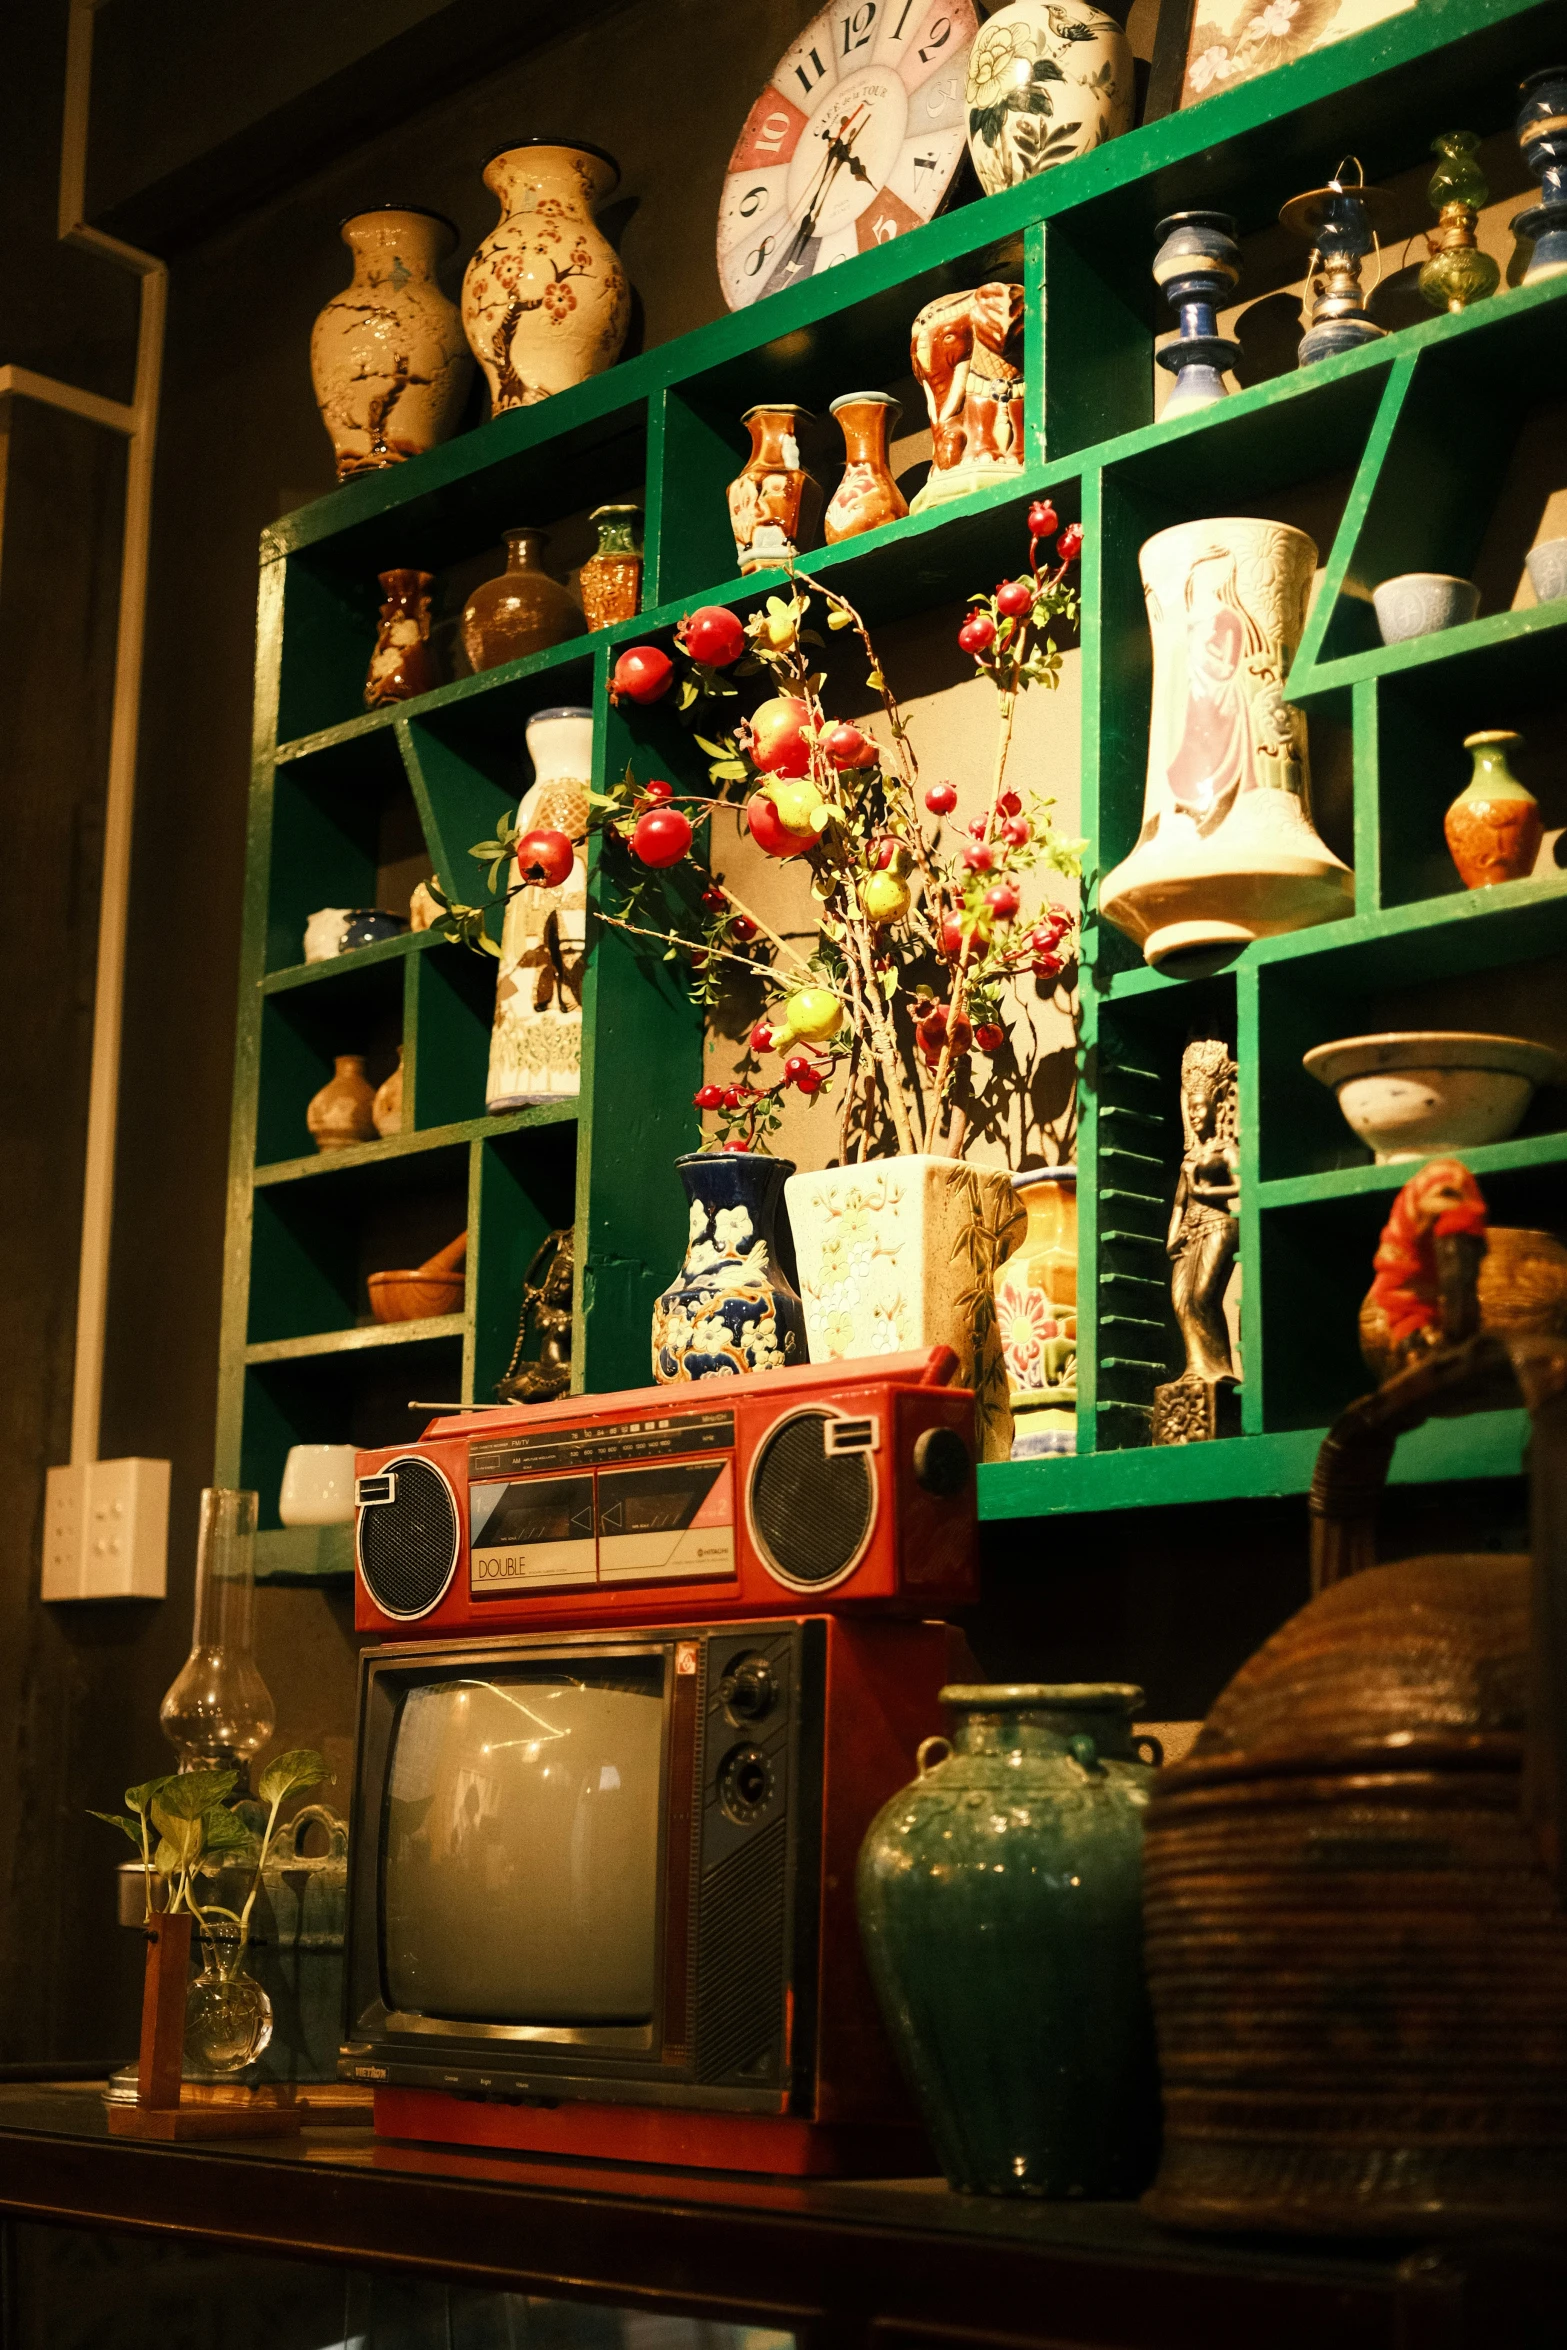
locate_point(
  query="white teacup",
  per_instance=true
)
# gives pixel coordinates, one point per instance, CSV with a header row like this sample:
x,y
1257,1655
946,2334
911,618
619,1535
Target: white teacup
x,y
324,933
1547,568
318,1485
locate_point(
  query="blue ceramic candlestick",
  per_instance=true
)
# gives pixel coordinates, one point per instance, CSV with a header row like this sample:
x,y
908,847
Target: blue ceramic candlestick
x,y
730,1308
1542,138
1198,263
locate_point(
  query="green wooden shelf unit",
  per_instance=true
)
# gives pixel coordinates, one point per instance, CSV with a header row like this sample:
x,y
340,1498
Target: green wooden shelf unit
x,y
1419,426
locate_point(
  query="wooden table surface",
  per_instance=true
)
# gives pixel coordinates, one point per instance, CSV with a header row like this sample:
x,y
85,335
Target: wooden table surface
x,y
889,2265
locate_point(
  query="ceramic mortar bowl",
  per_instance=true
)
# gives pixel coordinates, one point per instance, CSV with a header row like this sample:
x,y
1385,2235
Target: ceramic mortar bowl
x,y
412,1297
1418,602
1546,565
1410,1093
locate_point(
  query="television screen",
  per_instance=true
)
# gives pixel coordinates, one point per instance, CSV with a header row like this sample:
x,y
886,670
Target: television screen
x,y
520,1862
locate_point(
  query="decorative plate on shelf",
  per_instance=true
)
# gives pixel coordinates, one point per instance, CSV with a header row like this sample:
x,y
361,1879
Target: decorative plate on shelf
x,y
856,138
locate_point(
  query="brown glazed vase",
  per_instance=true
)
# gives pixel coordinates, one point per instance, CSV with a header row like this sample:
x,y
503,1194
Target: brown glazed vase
x,y
867,496
1357,1956
610,582
1493,828
1522,1287
402,665
775,506
342,1113
522,611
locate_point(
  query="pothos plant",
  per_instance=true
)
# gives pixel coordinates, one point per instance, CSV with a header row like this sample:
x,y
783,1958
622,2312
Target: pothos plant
x,y
184,1828
918,929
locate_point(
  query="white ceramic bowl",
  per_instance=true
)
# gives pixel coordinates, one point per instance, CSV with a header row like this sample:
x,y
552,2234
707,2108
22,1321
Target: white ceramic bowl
x,y
1546,565
1410,1093
318,1485
1418,602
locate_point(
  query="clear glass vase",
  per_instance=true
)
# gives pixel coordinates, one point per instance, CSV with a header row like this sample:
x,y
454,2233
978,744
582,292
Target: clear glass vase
x,y
228,2017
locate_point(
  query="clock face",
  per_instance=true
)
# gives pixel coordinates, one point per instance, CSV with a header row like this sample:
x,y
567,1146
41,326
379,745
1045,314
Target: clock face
x,y
855,139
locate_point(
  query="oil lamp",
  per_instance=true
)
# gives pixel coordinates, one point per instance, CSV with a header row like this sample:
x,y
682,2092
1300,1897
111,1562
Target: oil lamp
x,y
1197,264
1541,230
218,1711
1340,223
1457,273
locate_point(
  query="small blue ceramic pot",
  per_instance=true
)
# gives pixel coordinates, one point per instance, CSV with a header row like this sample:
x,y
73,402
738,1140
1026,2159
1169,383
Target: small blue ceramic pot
x,y
1547,568
1418,602
367,926
730,1308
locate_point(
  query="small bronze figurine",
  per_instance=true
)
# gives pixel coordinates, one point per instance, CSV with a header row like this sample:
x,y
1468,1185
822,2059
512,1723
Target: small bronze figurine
x,y
1203,1238
546,1308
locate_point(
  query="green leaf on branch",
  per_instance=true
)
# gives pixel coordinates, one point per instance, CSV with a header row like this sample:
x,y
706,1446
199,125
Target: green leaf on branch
x,y
190,1794
302,1766
182,1836
118,1819
224,1831
140,1797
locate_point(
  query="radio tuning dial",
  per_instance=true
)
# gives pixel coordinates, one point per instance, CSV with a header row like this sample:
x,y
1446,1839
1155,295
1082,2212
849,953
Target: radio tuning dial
x,y
748,1690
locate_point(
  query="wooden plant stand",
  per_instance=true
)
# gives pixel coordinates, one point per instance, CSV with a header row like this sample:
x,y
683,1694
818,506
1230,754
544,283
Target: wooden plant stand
x,y
162,2108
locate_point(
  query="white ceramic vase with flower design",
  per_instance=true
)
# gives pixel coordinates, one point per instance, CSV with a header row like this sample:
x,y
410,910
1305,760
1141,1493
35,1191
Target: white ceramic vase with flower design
x,y
545,302
1227,851
901,1253
1048,80
536,1035
386,354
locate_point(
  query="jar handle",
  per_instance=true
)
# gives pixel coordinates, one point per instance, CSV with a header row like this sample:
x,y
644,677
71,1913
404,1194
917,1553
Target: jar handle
x,y
1154,1755
310,1814
927,1757
1085,1754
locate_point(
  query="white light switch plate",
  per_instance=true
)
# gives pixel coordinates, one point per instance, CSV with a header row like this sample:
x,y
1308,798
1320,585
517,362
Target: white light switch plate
x,y
106,1531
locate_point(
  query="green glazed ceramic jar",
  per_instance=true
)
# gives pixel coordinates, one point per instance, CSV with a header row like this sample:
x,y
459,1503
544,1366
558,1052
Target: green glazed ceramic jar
x,y
1000,1902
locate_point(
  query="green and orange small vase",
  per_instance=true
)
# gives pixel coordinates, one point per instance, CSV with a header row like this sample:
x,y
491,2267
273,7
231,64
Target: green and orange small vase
x,y
1493,828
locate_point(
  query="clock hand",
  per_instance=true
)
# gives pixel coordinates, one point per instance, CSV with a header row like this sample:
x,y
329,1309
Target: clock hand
x,y
839,152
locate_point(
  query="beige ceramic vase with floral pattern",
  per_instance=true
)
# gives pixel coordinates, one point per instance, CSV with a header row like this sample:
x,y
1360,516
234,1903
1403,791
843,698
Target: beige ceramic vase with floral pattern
x,y
386,354
545,302
901,1253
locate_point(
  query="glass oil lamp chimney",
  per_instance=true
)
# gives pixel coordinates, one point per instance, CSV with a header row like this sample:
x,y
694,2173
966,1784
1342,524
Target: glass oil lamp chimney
x,y
1541,229
1198,263
1340,223
1457,273
218,1711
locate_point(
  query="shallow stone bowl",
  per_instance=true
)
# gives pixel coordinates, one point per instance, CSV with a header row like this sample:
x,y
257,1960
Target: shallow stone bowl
x,y
1411,1093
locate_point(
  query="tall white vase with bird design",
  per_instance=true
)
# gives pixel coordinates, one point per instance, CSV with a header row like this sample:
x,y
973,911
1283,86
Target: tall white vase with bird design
x,y
536,1042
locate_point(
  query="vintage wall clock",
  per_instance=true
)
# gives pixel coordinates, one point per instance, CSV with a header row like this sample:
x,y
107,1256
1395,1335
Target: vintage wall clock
x,y
855,139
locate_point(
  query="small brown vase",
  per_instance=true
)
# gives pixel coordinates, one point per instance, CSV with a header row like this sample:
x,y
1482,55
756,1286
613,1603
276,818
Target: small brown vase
x,y
387,1108
522,611
343,1112
775,506
867,496
1522,1289
610,582
402,664
1493,828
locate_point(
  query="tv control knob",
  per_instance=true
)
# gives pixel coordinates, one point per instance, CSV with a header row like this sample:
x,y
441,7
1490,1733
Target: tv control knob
x,y
941,1462
749,1690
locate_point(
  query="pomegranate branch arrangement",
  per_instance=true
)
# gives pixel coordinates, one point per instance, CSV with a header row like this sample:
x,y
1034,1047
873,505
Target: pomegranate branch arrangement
x,y
918,929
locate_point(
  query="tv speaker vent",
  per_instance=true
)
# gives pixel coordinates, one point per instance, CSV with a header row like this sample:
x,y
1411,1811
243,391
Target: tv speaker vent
x,y
741,1962
408,1542
811,1508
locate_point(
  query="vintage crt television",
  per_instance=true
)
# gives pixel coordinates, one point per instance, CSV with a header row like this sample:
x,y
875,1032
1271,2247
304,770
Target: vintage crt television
x,y
608,1801
852,1482
601,1892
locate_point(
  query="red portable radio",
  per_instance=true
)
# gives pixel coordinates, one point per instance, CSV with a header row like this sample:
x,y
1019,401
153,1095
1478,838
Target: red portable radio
x,y
844,1484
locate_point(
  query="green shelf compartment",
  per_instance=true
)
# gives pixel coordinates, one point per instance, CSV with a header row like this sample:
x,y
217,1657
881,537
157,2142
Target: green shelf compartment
x,y
316,1239
357,1005
331,595
343,829
310,1557
357,1396
524,1186
1338,435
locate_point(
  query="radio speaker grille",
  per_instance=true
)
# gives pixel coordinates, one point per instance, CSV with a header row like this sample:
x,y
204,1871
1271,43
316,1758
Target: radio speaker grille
x,y
408,1546
811,1509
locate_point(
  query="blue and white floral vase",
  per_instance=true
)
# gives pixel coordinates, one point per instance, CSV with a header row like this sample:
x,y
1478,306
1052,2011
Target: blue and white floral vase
x,y
730,1307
